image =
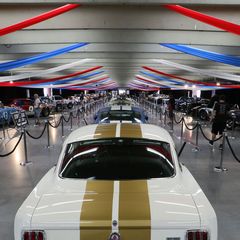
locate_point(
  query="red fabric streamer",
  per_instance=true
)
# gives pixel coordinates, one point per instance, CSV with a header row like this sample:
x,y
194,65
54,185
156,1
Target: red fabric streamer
x,y
188,80
23,83
216,22
37,19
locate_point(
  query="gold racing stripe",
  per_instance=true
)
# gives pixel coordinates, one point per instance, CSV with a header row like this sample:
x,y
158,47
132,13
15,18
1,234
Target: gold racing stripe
x,y
105,131
134,210
134,206
96,212
129,130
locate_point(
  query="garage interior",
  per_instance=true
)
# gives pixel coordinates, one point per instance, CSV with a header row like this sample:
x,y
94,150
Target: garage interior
x,y
123,37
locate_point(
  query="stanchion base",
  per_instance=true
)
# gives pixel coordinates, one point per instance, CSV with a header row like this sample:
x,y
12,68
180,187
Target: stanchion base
x,y
196,149
23,164
220,169
48,147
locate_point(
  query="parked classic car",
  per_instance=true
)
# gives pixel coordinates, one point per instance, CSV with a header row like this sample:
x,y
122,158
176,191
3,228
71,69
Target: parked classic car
x,y
119,113
6,114
60,103
26,104
117,181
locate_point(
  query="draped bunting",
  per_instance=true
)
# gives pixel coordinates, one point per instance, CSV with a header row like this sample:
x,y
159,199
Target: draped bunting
x,y
24,83
191,81
161,78
138,87
44,72
74,83
151,82
69,80
37,19
216,22
205,72
217,57
38,58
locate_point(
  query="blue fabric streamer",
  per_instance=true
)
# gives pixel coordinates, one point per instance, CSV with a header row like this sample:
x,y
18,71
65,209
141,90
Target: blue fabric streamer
x,y
68,80
162,78
37,58
216,57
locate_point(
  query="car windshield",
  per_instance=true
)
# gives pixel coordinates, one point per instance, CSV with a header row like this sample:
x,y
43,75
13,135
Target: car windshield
x,y
121,115
117,159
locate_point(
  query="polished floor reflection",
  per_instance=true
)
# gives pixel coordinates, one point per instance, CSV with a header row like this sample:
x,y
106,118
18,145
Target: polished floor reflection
x,y
222,189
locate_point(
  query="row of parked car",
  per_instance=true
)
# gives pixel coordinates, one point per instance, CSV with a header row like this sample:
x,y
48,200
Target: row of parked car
x,y
202,108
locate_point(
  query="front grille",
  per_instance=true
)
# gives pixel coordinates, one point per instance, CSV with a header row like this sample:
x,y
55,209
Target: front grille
x,y
173,238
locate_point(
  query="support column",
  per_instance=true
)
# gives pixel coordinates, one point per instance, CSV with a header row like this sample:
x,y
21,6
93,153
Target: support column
x,y
196,92
47,92
213,92
28,93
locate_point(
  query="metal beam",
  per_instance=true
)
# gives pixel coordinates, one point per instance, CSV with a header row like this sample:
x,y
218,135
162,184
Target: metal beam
x,y
119,2
120,36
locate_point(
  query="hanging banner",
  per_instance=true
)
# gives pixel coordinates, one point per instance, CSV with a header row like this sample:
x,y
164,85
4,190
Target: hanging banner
x,y
216,57
216,22
44,72
204,72
37,19
38,58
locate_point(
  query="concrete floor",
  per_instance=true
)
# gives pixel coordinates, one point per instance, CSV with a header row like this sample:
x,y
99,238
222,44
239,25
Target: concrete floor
x,y
222,189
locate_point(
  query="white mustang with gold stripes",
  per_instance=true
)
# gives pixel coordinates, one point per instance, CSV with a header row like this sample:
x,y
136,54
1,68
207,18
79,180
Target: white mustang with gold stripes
x,y
117,182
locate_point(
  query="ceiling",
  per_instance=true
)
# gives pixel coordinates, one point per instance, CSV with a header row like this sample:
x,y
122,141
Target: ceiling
x,y
123,37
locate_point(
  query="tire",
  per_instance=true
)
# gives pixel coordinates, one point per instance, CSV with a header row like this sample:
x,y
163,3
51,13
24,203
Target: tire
x,y
59,108
70,105
203,115
45,112
229,124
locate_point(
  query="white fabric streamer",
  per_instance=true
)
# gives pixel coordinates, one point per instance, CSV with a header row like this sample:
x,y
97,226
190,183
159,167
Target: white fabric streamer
x,y
212,73
44,72
71,83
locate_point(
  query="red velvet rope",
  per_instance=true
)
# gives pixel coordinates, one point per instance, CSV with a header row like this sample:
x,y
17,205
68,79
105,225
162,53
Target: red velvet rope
x,y
37,19
23,83
189,80
216,22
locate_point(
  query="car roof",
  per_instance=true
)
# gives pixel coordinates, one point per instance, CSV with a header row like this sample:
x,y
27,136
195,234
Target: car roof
x,y
129,130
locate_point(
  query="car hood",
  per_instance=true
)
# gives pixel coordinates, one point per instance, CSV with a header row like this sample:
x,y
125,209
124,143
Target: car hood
x,y
133,204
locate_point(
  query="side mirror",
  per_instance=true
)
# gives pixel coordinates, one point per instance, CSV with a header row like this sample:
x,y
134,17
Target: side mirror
x,y
146,118
95,117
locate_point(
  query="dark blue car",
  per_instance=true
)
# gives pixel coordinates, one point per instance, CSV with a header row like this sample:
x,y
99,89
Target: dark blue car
x,y
121,114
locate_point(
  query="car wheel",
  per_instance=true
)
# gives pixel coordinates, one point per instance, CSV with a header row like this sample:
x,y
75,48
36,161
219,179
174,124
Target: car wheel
x,y
45,112
229,124
70,106
203,115
59,108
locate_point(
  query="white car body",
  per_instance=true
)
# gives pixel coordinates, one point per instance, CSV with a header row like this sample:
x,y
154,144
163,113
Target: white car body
x,y
155,209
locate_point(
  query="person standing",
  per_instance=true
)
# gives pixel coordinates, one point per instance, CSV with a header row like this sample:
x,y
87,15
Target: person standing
x,y
219,118
37,109
171,107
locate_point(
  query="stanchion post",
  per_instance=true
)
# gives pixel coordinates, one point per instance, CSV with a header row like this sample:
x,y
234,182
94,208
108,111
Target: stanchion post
x,y
48,135
182,129
26,162
165,118
196,149
3,129
220,168
62,127
71,121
